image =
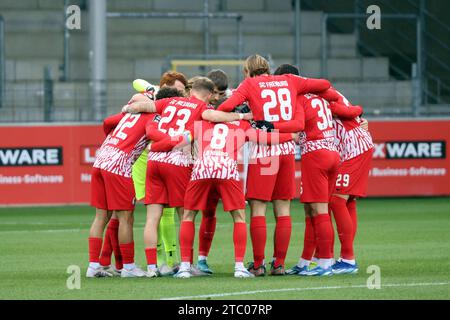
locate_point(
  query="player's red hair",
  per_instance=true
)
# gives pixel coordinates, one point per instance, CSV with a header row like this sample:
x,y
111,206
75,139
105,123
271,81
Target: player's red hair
x,y
169,78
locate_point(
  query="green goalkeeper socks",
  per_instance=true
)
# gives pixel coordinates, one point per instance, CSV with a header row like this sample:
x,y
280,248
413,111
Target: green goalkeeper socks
x,y
169,236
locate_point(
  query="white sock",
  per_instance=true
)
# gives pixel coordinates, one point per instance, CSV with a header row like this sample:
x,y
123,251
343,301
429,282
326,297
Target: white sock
x,y
325,263
303,263
202,258
239,265
314,259
352,262
129,266
185,266
94,265
151,267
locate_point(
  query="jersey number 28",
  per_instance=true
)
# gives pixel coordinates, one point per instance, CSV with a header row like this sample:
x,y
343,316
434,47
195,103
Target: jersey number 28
x,y
282,98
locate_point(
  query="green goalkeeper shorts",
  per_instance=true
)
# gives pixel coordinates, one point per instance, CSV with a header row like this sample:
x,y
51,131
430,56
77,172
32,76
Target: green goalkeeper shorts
x,y
138,173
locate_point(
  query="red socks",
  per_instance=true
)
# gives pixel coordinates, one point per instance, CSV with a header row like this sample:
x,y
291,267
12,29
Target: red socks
x,y
95,246
111,244
258,233
309,242
351,207
283,231
187,233
344,226
105,255
127,250
240,240
150,254
206,232
324,235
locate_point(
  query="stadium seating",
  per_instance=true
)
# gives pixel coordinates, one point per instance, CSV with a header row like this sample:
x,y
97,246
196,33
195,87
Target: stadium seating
x,y
34,39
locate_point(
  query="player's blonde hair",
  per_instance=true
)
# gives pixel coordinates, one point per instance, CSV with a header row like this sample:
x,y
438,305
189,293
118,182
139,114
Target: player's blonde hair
x,y
190,82
203,84
256,65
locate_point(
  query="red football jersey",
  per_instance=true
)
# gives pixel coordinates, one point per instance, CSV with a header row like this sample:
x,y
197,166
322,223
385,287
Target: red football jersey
x,y
178,114
219,144
319,132
273,97
125,141
351,139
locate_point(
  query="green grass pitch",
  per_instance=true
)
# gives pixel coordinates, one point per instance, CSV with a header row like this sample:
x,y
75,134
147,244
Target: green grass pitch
x,y
409,239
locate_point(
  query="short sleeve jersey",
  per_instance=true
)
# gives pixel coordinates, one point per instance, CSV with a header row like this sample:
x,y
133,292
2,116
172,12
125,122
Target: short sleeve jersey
x,y
218,147
124,144
319,132
178,114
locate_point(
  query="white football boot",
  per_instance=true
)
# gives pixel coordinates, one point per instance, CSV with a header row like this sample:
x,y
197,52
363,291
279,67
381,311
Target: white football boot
x,y
183,273
136,272
152,272
243,273
112,269
98,272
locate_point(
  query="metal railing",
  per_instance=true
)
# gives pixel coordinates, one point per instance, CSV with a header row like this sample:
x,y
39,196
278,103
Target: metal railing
x,y
417,102
206,15
429,58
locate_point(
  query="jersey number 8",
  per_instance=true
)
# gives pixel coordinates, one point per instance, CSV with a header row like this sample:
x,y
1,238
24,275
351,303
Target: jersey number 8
x,y
219,136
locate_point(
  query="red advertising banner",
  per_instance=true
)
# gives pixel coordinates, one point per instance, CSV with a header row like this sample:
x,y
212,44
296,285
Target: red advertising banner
x,y
51,164
47,164
410,158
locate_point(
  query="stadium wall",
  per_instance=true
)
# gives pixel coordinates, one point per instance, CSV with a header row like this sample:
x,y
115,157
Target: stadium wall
x,y
50,164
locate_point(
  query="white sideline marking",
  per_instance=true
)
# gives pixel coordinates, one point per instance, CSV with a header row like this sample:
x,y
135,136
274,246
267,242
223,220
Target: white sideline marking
x,y
227,294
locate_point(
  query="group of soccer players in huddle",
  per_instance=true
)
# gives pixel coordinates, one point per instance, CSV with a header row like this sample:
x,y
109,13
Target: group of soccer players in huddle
x,y
179,148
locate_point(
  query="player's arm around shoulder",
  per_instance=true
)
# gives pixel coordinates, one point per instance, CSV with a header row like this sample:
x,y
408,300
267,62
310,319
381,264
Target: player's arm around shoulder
x,y
268,138
310,85
221,116
238,97
140,103
111,122
343,111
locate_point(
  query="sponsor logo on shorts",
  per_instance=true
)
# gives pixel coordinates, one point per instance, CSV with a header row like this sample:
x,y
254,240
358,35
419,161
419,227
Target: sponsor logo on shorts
x,y
409,150
31,156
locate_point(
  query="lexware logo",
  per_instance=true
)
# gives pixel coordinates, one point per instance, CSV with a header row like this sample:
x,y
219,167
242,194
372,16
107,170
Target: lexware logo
x,y
88,154
409,150
31,156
